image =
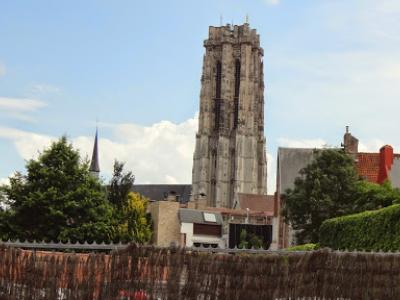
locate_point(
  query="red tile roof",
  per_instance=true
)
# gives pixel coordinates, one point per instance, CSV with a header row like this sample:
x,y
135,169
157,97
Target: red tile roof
x,y
256,202
368,166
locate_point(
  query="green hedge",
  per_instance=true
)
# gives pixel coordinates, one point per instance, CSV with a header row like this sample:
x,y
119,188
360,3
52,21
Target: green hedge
x,y
304,247
371,231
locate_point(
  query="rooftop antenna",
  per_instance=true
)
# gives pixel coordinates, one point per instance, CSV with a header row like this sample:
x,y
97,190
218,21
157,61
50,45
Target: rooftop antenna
x,y
221,20
247,19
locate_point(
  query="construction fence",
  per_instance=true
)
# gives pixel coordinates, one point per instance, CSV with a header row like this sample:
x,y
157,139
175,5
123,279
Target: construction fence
x,y
173,273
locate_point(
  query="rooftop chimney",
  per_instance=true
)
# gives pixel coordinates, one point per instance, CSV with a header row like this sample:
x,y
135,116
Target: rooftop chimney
x,y
385,163
350,143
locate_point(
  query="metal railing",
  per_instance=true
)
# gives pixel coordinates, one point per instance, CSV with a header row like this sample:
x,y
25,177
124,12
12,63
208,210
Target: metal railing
x,y
94,246
42,245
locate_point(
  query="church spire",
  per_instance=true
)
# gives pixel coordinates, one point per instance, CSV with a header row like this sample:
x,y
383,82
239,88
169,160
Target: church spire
x,y
94,164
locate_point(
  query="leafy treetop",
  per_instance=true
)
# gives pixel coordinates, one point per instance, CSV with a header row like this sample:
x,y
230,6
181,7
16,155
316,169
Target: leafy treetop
x,y
56,199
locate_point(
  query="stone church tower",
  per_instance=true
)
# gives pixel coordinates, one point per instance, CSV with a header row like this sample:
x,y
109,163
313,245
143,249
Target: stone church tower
x,y
230,145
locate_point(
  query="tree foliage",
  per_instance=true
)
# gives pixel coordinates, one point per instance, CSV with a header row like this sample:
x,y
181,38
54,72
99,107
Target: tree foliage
x,y
129,209
134,222
56,199
327,188
370,196
120,186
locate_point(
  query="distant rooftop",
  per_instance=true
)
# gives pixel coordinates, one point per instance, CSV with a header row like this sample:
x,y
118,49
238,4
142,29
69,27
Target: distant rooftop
x,y
159,192
255,202
198,216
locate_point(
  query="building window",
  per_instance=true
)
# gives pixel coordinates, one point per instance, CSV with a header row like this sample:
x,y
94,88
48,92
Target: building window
x,y
207,229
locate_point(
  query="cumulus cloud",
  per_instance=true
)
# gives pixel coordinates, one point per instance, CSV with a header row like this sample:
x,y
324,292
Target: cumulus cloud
x,y
27,144
302,143
374,145
20,104
20,108
160,153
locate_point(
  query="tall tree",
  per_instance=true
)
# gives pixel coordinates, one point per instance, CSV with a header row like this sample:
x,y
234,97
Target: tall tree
x,y
324,189
120,185
129,209
56,199
135,224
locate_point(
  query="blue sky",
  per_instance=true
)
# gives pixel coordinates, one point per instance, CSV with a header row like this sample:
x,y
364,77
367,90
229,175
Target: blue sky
x,y
135,66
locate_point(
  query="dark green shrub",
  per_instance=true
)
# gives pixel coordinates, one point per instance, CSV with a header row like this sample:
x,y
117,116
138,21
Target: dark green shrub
x,y
370,230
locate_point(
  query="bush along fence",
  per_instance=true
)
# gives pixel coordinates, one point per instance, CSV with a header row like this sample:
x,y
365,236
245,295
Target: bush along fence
x,y
173,273
377,230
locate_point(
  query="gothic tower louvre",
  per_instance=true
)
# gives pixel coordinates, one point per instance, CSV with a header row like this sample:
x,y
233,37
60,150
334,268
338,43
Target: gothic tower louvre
x,y
229,157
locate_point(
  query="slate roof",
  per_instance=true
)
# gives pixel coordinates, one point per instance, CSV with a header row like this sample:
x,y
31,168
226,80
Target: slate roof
x,y
158,192
257,202
197,216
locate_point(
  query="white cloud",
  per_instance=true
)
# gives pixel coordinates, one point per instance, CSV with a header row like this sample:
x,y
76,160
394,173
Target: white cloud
x,y
302,143
160,153
20,104
374,145
20,108
27,144
371,145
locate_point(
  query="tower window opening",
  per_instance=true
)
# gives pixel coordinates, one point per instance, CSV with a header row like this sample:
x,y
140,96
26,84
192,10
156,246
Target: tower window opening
x,y
217,110
237,90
